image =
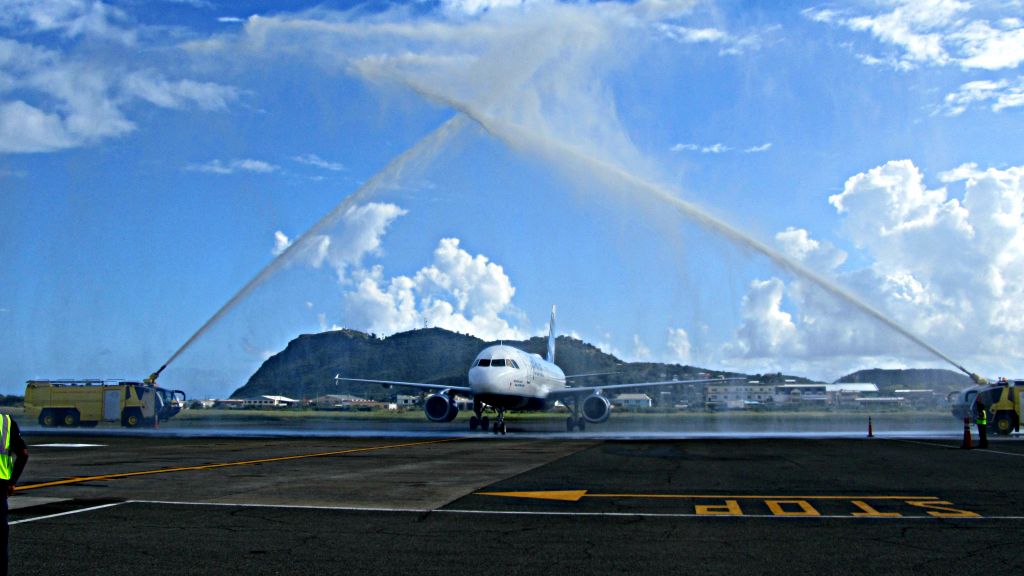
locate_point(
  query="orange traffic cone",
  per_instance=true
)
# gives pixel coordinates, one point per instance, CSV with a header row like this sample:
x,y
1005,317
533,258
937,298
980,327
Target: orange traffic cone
x,y
967,434
871,432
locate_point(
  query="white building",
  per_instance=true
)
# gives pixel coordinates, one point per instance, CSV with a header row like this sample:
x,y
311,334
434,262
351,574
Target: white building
x,y
269,401
801,394
340,400
407,400
634,400
848,393
738,396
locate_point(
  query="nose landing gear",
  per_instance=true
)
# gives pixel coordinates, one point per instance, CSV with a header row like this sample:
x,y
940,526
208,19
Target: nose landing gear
x,y
499,424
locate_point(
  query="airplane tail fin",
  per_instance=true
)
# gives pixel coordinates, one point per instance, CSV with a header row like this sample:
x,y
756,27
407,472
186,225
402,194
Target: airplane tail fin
x,y
551,337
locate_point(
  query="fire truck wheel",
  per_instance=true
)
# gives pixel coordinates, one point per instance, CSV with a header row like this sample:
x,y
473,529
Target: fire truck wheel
x,y
1004,423
47,418
69,418
131,418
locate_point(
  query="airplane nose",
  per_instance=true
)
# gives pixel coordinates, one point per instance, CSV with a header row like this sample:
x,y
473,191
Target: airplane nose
x,y
488,377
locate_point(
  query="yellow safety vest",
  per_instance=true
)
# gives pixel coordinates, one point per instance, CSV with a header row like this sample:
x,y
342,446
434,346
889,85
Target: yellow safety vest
x,y
982,418
6,462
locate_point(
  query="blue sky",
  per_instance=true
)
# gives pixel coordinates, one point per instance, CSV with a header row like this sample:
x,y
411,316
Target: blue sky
x,y
155,156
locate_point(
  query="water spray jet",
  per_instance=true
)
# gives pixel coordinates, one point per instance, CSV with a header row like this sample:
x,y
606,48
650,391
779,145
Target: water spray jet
x,y
518,137
428,145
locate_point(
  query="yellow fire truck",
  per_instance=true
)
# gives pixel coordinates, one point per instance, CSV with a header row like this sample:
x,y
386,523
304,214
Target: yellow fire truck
x,y
86,403
1001,399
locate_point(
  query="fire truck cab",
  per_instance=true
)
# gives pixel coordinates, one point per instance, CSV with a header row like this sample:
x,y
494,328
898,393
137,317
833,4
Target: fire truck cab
x,y
1002,400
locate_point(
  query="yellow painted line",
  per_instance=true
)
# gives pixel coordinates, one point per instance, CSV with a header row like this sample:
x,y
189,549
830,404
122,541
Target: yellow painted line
x,y
81,479
576,495
748,497
564,495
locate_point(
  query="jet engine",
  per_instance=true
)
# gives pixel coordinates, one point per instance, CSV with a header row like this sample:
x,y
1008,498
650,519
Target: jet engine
x,y
440,408
596,409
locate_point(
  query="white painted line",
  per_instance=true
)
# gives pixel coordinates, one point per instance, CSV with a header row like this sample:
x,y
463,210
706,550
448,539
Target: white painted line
x,y
100,507
991,451
988,450
61,445
933,444
552,513
285,506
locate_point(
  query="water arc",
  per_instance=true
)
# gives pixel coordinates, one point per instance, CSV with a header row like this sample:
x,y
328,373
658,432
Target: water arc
x,y
520,138
423,150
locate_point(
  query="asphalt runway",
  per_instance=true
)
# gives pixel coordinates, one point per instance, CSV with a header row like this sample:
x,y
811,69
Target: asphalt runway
x,y
512,505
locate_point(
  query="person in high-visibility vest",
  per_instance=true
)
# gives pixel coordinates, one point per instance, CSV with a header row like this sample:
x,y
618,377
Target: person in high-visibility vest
x,y
13,457
981,419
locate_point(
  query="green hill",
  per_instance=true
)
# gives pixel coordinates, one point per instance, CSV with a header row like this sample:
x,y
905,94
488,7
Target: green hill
x,y
890,380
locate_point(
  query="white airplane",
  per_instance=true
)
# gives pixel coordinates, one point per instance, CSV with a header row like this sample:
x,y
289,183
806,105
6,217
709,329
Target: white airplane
x,y
507,378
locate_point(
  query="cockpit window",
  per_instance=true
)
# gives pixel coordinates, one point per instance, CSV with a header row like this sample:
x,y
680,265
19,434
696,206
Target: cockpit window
x,y
484,362
499,362
513,364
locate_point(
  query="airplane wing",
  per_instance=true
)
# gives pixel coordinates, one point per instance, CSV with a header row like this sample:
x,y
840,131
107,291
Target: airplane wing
x,y
588,375
579,390
422,386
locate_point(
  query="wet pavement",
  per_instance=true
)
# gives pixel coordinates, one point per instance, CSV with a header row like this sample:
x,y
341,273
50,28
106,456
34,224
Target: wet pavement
x,y
519,505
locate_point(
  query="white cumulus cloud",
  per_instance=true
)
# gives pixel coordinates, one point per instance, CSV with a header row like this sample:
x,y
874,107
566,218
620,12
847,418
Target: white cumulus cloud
x,y
358,234
798,245
679,347
964,171
948,266
767,329
75,94
458,291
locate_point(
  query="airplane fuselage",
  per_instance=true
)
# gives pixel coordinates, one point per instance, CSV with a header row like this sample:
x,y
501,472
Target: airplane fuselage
x,y
507,377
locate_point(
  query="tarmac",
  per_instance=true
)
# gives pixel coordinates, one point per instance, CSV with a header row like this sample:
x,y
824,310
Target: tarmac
x,y
96,503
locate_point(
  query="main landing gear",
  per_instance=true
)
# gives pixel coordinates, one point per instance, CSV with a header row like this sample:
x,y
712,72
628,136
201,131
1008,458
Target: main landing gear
x,y
481,423
575,420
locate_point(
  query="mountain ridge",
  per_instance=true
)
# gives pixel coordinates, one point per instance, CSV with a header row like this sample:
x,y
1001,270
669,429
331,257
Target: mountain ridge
x,y
308,364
